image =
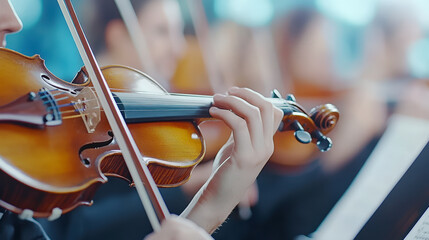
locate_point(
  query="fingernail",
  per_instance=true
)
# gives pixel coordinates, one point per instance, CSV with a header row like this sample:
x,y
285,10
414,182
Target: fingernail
x,y
217,96
233,89
213,110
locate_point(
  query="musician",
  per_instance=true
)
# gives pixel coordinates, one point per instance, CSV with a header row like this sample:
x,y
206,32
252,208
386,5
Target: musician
x,y
9,22
253,121
161,25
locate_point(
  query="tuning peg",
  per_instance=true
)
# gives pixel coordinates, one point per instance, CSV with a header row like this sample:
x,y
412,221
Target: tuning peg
x,y
323,143
291,97
300,134
276,94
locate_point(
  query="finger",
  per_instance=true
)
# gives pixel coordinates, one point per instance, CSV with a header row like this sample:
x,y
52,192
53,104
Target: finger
x,y
269,112
246,111
266,108
238,125
278,117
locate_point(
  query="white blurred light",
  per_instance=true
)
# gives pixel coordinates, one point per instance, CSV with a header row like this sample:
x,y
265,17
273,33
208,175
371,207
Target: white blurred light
x,y
253,13
356,12
422,8
418,58
419,7
29,11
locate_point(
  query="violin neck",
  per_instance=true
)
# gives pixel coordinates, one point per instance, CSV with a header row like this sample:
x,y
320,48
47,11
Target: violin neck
x,y
147,107
143,107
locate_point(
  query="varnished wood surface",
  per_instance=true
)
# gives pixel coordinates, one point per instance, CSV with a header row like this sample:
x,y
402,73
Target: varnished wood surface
x,y
45,168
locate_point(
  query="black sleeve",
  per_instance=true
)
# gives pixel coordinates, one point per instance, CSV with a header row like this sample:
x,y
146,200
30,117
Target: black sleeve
x,y
14,228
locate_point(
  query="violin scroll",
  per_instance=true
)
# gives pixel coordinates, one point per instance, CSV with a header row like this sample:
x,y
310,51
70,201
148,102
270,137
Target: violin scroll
x,y
325,117
309,127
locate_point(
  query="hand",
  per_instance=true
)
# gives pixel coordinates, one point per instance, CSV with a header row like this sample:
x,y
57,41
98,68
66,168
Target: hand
x,y
253,121
177,228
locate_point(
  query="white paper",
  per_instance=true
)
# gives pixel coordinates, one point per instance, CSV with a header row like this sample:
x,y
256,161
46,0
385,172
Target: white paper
x,y
399,146
420,231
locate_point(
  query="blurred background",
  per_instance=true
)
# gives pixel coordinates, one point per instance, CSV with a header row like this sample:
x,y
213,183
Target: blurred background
x,y
368,57
351,29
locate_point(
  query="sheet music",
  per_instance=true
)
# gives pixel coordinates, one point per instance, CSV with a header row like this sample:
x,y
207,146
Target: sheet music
x,y
399,146
420,231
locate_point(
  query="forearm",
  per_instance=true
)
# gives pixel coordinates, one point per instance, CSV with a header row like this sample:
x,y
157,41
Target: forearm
x,y
217,198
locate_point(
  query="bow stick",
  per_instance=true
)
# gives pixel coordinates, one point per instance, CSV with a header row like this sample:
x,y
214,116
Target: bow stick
x,y
151,198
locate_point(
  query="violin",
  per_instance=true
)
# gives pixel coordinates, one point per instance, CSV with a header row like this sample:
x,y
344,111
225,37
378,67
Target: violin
x,y
57,146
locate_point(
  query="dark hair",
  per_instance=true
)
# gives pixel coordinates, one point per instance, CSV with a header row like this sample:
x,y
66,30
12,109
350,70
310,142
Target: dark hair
x,y
97,14
297,23
290,29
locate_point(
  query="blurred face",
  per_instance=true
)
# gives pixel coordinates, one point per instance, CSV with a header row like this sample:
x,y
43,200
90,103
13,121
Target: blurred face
x,y
406,32
312,55
162,27
9,21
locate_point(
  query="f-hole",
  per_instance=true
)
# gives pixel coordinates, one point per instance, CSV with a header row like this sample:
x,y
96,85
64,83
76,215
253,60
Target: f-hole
x,y
87,161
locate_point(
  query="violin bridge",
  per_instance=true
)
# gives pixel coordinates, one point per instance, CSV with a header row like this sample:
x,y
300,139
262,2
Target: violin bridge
x,y
89,108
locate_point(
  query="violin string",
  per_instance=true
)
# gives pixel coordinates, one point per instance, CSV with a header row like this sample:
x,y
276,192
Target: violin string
x,y
146,96
58,94
190,96
122,111
57,100
185,109
54,90
160,94
50,95
73,116
128,101
188,107
61,99
69,111
191,102
65,105
133,103
55,94
126,90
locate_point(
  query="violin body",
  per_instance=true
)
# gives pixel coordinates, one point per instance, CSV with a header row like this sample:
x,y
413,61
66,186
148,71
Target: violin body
x,y
60,167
